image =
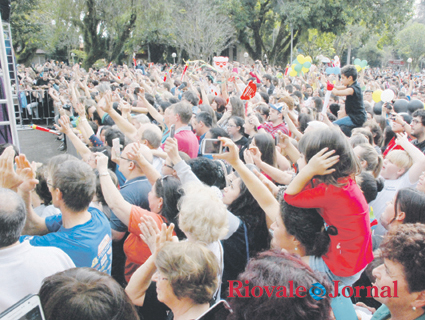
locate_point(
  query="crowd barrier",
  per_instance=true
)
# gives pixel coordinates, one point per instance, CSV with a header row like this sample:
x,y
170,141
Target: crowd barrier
x,y
36,105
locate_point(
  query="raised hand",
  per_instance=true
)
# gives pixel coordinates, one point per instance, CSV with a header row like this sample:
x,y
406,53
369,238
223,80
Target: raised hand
x,y
232,157
171,148
321,162
9,179
63,125
26,172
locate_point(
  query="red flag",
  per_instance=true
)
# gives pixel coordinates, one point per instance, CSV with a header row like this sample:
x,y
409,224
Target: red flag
x,y
184,71
249,91
110,64
134,59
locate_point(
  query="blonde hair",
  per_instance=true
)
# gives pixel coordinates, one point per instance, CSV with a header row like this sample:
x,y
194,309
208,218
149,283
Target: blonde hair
x,y
191,269
202,214
400,158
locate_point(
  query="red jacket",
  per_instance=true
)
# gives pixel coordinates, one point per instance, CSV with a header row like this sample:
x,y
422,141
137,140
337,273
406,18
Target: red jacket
x,y
346,209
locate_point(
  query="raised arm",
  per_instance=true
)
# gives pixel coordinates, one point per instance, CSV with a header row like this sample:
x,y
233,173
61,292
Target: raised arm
x,y
318,165
259,191
153,112
64,127
113,197
417,156
126,127
148,169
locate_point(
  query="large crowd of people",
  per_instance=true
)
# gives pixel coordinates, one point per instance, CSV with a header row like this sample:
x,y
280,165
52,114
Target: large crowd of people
x,y
145,221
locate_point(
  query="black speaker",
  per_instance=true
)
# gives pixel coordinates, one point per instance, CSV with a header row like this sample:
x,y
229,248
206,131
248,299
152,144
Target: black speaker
x,y
5,10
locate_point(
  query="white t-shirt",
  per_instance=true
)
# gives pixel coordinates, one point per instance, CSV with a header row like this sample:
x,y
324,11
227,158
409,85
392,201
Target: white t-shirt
x,y
23,268
387,195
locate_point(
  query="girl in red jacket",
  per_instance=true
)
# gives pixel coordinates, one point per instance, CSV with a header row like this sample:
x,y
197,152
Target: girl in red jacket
x,y
326,182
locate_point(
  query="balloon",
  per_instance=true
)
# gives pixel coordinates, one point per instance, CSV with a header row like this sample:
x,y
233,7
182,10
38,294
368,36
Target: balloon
x,y
279,75
357,62
307,65
363,64
293,73
358,68
415,105
298,67
376,96
300,59
400,105
377,108
387,95
304,70
308,59
294,65
295,62
335,70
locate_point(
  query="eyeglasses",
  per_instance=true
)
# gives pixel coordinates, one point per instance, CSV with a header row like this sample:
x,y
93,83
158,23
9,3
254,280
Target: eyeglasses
x,y
135,163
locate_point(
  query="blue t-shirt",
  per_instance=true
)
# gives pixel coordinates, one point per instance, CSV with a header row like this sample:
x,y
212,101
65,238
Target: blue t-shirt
x,y
88,244
135,192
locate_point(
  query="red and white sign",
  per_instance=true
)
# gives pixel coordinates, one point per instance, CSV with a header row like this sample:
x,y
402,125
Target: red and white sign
x,y
249,91
220,63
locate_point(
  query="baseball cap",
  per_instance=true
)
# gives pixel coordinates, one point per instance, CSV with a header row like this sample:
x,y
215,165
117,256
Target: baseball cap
x,y
278,107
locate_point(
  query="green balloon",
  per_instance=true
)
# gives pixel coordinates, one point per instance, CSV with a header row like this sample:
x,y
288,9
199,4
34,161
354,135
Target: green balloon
x,y
295,62
363,64
307,65
357,62
298,68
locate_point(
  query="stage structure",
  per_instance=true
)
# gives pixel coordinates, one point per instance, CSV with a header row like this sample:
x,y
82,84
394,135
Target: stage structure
x,y
9,85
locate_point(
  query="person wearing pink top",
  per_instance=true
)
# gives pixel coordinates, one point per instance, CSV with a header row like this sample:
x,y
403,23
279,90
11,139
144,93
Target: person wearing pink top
x,y
181,114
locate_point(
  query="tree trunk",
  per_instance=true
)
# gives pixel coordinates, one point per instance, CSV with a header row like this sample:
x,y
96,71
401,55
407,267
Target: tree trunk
x,y
349,54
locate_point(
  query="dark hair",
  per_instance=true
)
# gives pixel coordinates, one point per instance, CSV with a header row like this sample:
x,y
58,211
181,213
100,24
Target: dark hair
x,y
266,145
85,293
42,189
265,97
208,171
289,88
406,245
96,116
421,114
164,104
170,190
111,134
303,120
77,182
369,185
221,103
94,126
192,97
218,132
333,139
211,112
268,77
205,117
269,269
412,203
239,122
376,131
12,217
388,135
366,133
150,98
250,212
238,108
307,226
334,108
318,104
264,109
350,71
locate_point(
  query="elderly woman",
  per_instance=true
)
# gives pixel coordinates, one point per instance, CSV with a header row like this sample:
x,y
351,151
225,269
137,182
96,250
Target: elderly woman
x,y
185,275
403,251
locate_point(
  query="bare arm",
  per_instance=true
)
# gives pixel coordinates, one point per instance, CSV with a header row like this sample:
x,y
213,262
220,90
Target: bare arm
x,y
417,156
259,191
113,197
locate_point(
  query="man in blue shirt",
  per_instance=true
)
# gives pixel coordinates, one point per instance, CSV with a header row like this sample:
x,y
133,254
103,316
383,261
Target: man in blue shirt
x,y
201,125
81,232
